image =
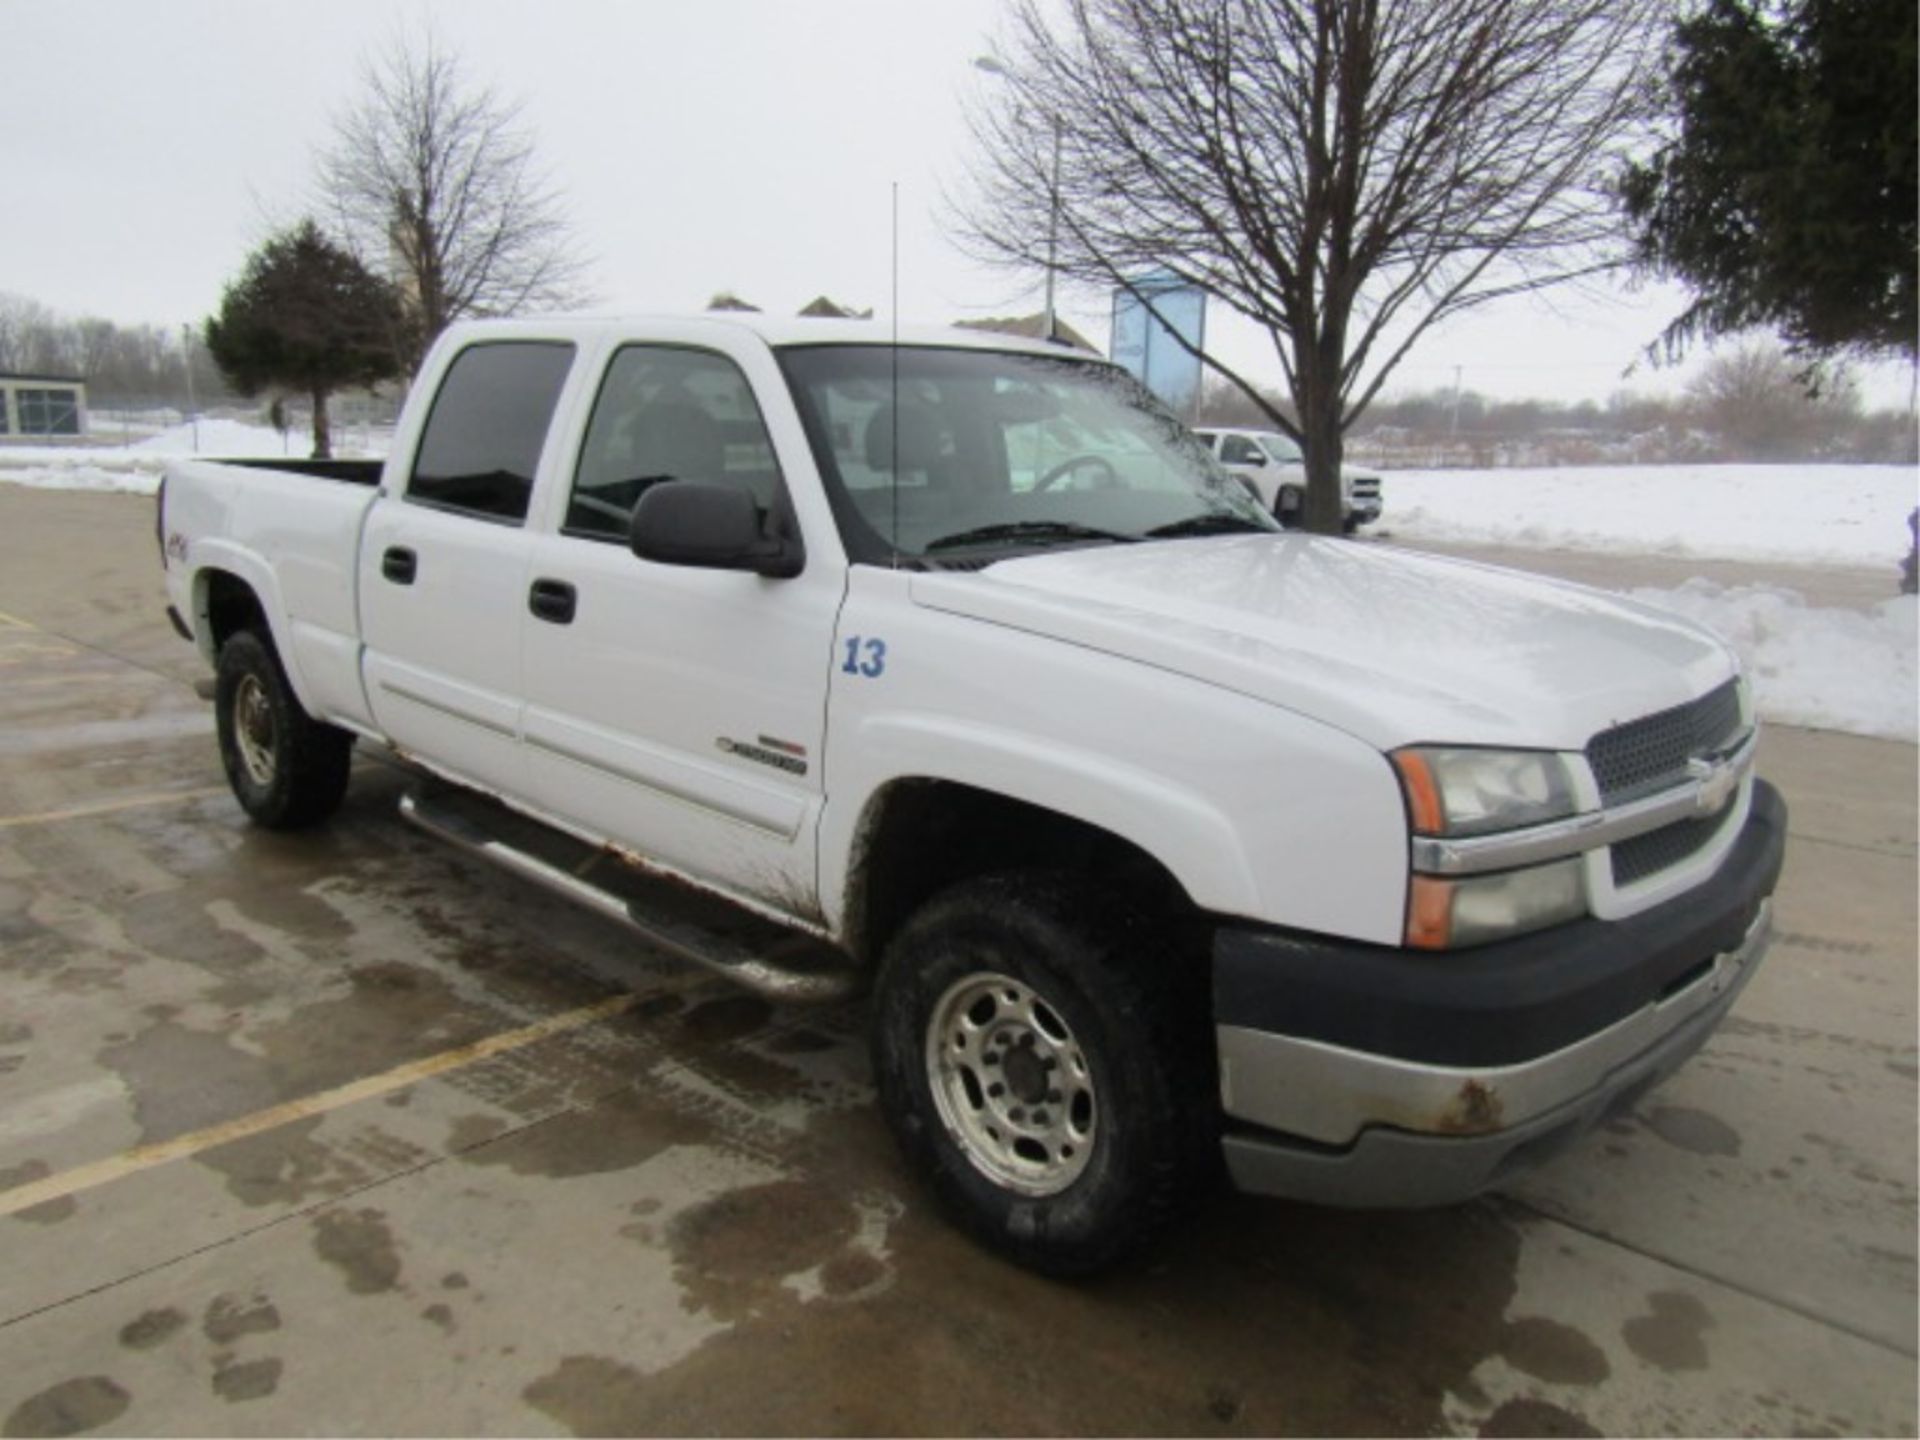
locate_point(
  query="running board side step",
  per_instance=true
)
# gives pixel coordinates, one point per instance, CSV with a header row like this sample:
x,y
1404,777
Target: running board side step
x,y
765,957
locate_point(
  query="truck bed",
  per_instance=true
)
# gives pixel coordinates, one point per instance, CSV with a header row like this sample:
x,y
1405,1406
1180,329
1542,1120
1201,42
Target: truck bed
x,y
353,472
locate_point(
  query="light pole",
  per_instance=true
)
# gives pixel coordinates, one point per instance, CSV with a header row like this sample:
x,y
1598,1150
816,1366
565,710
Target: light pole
x,y
990,65
193,406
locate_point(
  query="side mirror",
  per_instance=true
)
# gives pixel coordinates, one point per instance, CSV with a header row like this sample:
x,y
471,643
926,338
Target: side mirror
x,y
1257,459
708,527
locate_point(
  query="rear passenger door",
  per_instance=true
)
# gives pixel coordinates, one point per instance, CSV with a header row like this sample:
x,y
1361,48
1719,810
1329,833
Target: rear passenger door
x,y
443,565
679,712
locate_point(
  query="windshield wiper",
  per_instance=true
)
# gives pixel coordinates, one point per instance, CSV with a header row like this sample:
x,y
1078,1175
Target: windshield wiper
x,y
1212,523
1025,530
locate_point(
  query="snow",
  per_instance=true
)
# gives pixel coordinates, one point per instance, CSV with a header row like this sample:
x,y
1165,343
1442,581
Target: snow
x,y
217,437
1792,514
1829,669
135,468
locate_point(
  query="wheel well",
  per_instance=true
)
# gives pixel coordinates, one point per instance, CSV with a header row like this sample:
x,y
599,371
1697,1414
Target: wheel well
x,y
229,605
921,836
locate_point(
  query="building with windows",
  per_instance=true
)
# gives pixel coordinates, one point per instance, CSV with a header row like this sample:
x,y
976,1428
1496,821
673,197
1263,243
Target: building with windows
x,y
42,404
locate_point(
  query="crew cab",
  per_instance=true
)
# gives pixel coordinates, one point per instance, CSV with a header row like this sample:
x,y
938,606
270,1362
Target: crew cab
x,y
1276,470
960,669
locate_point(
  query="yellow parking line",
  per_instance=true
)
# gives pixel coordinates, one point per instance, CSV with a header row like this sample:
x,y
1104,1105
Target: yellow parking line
x,y
8,622
110,807
148,1157
35,649
47,680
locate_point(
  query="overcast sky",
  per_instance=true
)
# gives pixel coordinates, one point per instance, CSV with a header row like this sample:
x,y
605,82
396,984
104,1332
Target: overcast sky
x,y
747,145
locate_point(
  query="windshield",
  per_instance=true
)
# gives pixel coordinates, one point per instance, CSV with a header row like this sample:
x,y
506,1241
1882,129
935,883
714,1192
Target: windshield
x,y
1001,453
1280,448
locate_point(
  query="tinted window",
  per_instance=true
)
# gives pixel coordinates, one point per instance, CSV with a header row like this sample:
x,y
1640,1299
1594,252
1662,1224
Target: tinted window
x,y
489,422
49,412
1238,450
668,414
1281,449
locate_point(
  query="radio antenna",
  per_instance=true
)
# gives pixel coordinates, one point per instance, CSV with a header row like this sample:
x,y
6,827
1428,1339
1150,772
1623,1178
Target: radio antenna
x,y
893,356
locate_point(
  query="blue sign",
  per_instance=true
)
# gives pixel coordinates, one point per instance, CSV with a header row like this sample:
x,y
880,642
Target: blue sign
x,y
1144,340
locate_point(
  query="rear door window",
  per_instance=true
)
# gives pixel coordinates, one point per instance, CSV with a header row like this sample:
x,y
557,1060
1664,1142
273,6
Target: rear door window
x,y
488,426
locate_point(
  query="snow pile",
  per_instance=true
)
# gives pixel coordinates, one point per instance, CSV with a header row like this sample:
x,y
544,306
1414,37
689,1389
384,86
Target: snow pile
x,y
1830,669
222,437
1796,514
111,469
136,468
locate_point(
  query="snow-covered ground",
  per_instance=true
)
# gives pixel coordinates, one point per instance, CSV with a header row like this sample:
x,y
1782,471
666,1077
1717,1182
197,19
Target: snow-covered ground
x,y
135,468
1830,668
1788,514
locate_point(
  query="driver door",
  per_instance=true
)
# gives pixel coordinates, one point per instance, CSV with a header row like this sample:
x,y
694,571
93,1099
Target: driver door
x,y
679,712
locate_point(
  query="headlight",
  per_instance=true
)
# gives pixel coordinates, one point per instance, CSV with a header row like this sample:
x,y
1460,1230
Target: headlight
x,y
1475,792
1454,793
1449,914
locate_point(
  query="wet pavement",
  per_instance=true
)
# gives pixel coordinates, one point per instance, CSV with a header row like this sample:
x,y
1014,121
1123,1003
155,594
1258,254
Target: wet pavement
x,y
346,1133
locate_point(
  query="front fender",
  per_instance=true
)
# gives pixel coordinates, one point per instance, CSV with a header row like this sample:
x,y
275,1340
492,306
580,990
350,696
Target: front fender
x,y
1180,828
1255,810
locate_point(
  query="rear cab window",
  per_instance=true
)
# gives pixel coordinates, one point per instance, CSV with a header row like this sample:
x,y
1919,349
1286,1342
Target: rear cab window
x,y
481,447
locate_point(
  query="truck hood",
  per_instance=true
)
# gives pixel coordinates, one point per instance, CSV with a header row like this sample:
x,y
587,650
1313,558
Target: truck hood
x,y
1390,645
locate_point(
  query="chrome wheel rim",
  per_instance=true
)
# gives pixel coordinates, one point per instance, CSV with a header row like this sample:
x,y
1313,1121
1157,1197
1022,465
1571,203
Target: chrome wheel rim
x,y
1012,1084
253,729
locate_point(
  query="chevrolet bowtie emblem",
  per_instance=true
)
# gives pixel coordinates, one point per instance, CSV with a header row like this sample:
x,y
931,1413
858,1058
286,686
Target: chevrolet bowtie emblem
x,y
1717,780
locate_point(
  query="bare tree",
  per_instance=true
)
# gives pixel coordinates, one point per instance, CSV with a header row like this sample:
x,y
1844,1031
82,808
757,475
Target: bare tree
x,y
138,365
34,339
1346,173
432,182
1754,397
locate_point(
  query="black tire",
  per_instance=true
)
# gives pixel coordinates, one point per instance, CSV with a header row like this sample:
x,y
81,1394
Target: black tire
x,y
287,769
1349,524
1289,506
1126,1003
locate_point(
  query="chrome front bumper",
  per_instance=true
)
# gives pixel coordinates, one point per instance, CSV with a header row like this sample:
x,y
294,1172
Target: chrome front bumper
x,y
1343,1127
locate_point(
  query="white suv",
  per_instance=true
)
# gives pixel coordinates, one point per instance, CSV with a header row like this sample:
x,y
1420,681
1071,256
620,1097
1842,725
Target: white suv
x,y
1273,466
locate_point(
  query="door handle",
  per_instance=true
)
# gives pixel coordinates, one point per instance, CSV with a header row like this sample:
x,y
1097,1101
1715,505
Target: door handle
x,y
399,565
552,601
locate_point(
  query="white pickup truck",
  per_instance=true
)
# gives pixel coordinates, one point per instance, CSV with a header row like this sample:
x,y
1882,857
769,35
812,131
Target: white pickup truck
x,y
1276,470
1161,836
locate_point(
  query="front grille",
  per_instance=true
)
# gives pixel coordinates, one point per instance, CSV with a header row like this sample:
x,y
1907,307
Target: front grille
x,y
1666,847
1651,754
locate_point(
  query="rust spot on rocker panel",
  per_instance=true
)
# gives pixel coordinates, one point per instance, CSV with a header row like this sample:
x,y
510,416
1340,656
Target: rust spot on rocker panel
x,y
1476,1109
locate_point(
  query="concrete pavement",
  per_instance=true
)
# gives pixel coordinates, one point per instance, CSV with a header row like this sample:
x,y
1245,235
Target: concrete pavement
x,y
275,1189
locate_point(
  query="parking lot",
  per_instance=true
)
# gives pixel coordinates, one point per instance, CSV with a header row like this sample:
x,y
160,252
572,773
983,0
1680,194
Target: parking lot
x,y
344,1132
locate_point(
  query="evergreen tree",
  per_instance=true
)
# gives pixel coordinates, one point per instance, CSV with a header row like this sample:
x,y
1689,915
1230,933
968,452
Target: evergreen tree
x,y
1786,196
308,317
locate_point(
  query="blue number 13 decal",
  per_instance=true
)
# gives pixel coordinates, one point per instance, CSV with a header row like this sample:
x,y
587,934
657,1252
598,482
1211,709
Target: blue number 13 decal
x,y
872,665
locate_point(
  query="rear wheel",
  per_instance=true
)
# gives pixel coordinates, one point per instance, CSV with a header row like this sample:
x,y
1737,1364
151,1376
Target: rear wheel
x,y
287,769
1045,1060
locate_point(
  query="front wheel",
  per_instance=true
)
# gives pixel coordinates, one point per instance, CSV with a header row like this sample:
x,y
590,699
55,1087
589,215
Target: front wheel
x,y
287,769
1045,1061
